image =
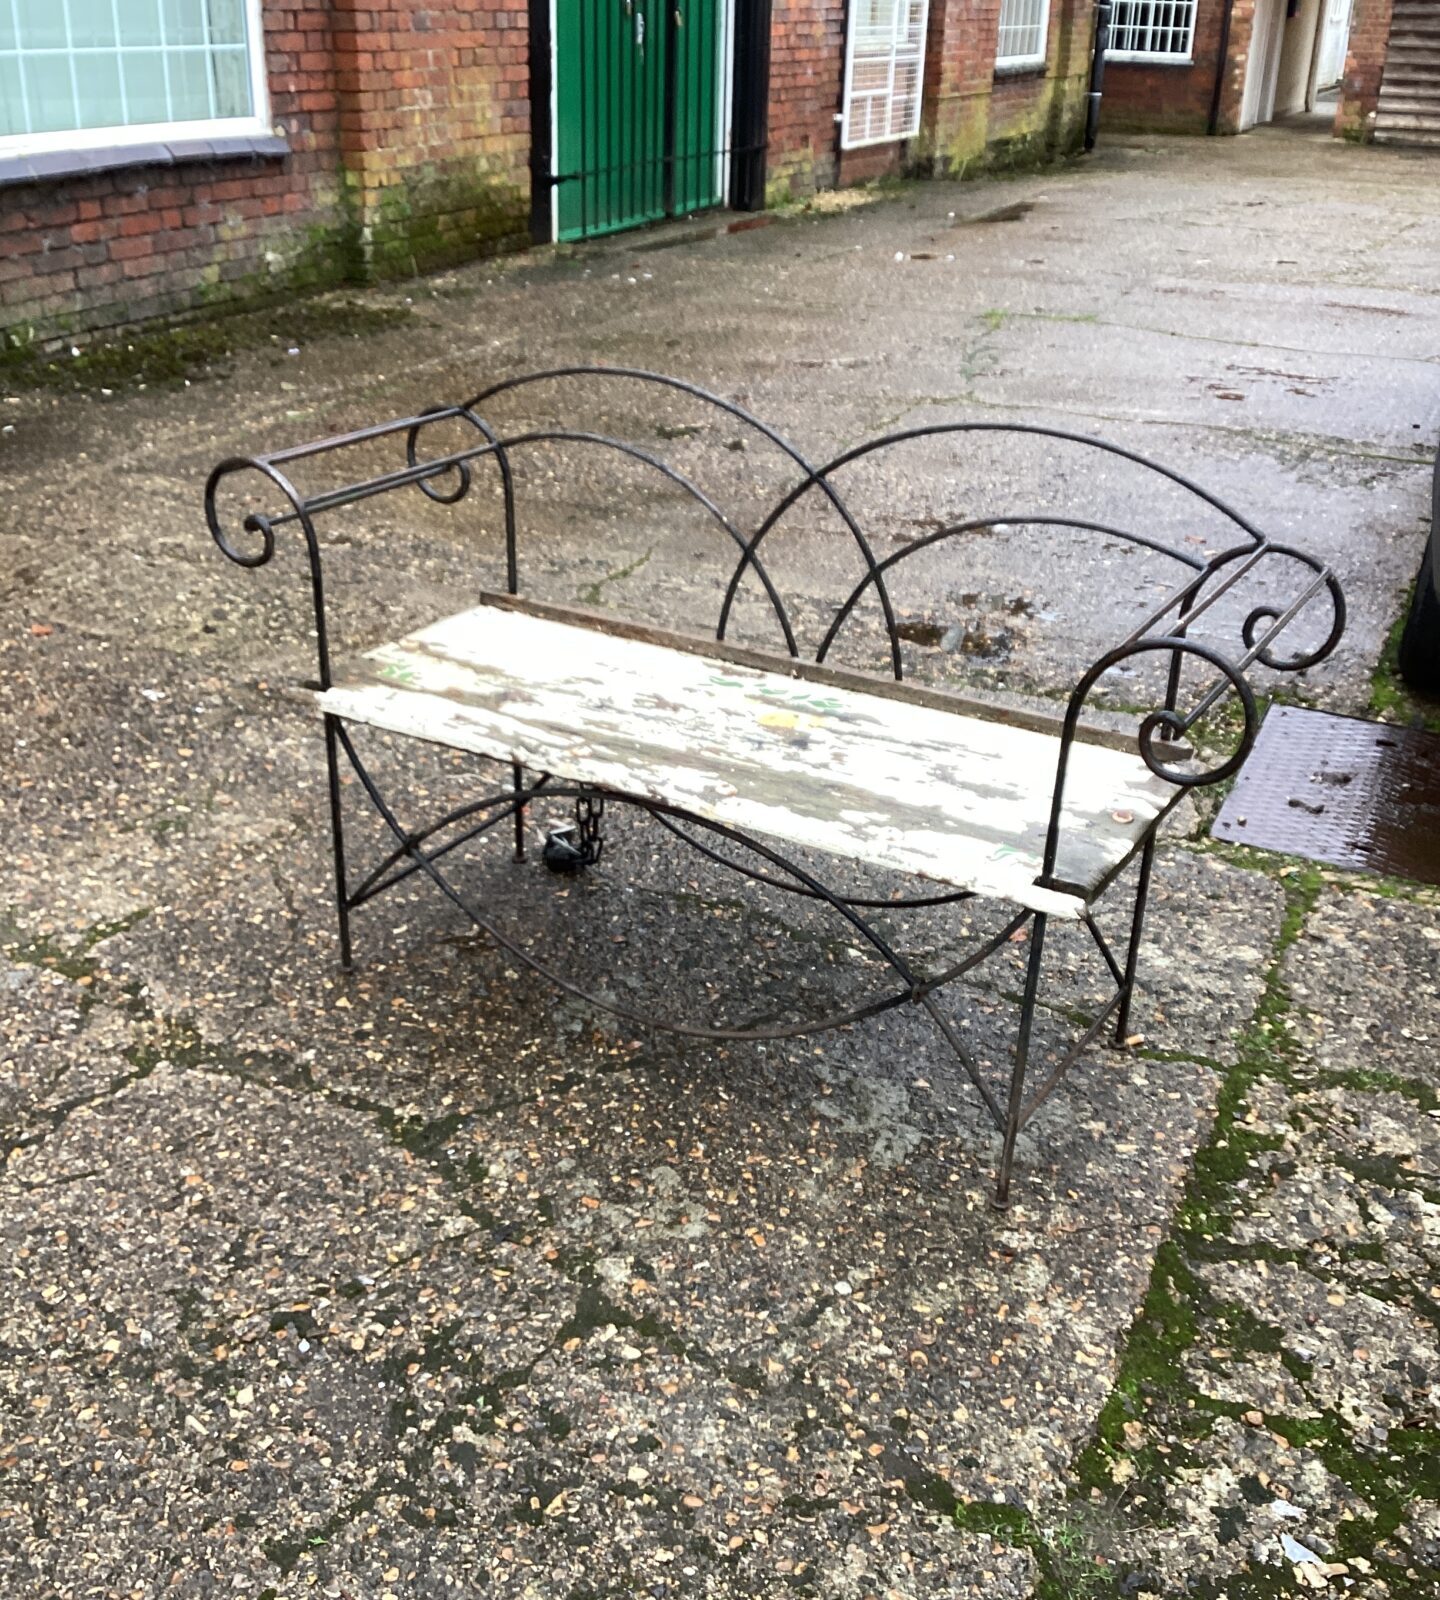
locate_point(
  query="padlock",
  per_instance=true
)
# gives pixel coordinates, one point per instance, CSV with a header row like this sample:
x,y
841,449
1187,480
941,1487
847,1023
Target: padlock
x,y
562,852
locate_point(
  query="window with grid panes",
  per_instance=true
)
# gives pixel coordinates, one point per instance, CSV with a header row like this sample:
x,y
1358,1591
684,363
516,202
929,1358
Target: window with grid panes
x,y
1154,30
100,72
884,71
1023,27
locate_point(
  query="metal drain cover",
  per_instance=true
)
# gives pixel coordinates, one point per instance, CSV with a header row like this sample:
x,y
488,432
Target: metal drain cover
x,y
1362,795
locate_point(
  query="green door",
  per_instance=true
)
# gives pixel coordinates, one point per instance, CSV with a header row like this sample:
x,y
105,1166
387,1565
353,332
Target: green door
x,y
638,103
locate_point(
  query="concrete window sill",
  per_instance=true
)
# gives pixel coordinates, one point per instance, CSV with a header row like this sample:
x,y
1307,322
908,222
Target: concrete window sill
x,y
50,166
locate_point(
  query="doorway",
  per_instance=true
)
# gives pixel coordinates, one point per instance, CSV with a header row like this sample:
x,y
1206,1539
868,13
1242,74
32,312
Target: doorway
x,y
1297,53
1262,79
640,112
1334,45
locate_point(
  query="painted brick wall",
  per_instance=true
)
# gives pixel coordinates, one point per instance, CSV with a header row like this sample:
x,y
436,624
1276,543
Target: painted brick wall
x,y
93,252
1364,67
1161,98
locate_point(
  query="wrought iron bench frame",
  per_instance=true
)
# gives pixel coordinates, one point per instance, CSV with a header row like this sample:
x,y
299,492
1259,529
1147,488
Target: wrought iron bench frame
x,y
446,478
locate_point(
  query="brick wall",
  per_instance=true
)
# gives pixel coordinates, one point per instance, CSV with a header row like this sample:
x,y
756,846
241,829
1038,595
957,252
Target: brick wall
x,y
1029,115
1364,67
90,253
434,128
1160,98
409,135
970,116
807,65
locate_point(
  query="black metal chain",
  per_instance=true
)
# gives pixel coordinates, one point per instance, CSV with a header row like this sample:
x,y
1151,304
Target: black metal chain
x,y
578,845
589,815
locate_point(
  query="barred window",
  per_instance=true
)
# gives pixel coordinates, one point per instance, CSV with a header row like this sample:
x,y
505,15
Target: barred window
x,y
1161,30
884,71
88,72
1023,28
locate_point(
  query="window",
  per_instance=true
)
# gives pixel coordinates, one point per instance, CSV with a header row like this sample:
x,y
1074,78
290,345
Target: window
x,y
1023,28
1152,30
106,72
884,71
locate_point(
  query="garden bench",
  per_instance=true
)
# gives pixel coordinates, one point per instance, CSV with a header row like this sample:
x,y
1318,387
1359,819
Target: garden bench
x,y
753,753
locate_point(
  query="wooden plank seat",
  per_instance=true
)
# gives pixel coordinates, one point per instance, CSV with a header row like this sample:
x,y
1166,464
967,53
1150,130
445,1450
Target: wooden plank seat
x,y
843,765
775,752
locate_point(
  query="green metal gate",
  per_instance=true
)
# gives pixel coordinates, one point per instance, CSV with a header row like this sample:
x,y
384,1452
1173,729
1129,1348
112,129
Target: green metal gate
x,y
640,111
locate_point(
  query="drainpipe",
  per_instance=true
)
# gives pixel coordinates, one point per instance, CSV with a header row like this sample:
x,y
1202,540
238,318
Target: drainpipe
x,y
1097,72
1213,125
750,117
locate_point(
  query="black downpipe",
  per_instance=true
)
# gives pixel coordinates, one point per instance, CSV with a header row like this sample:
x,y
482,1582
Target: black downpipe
x,y
750,102
1097,72
1212,126
542,180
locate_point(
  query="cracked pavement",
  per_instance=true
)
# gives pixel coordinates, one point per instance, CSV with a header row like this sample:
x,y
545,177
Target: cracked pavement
x,y
428,1280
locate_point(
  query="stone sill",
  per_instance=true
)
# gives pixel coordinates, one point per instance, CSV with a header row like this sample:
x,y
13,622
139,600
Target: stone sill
x,y
1149,63
50,166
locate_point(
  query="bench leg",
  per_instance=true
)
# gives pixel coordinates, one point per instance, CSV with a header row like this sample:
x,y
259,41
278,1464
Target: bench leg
x,y
1022,1056
517,773
1137,927
337,829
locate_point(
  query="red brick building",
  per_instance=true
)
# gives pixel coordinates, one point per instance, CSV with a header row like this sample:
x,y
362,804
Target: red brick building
x,y
1224,66
160,156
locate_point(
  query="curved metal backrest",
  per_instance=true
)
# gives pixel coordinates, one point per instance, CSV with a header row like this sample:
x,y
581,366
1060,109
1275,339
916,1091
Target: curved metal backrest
x,y
821,479
808,476
445,476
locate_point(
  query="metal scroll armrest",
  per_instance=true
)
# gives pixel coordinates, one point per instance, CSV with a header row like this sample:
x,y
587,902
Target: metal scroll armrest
x,y
1168,724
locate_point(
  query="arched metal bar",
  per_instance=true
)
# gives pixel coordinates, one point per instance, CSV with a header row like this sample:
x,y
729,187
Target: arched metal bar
x,y
642,375
861,901
913,986
782,616
507,481
813,475
1102,944
820,476
972,526
257,523
962,1055
1259,650
1189,610
376,883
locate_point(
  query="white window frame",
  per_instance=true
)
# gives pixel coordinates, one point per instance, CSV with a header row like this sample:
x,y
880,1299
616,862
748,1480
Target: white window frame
x,y
847,142
1174,58
1034,58
257,124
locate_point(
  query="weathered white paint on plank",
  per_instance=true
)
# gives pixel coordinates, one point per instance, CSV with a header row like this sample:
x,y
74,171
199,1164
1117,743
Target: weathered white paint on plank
x,y
916,789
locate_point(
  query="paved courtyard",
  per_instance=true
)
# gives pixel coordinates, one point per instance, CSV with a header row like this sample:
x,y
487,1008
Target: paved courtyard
x,y
428,1281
